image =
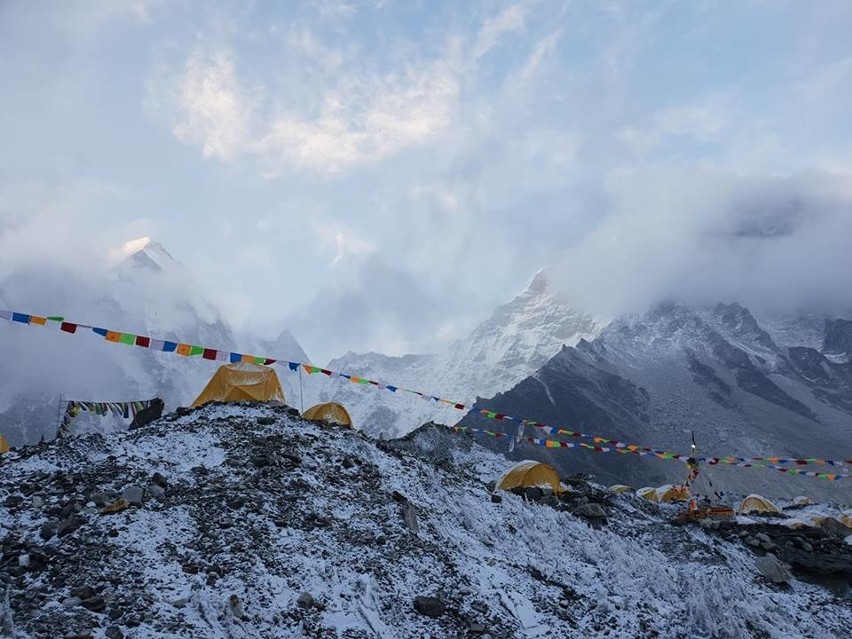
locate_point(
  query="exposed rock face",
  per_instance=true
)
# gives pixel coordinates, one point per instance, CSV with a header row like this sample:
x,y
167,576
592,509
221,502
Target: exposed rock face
x,y
305,545
654,378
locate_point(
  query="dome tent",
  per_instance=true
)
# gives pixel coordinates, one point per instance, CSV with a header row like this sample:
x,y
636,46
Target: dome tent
x,y
620,488
648,492
329,412
4,444
241,382
757,504
671,492
528,474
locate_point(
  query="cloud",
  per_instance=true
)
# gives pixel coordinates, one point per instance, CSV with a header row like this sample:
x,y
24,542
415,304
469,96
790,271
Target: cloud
x,y
777,245
214,105
352,115
511,19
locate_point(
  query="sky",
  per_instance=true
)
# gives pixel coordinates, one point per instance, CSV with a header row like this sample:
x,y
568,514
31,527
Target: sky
x,y
379,175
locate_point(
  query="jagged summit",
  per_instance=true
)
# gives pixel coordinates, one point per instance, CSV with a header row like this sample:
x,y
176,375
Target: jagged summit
x,y
145,253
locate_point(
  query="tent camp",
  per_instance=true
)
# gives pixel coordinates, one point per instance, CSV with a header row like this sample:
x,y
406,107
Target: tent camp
x,y
329,412
648,492
670,492
620,488
757,504
241,382
665,493
4,444
527,474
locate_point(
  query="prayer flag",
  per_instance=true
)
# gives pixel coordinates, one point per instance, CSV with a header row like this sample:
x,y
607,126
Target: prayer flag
x,y
142,341
127,338
21,317
35,319
68,327
112,336
183,349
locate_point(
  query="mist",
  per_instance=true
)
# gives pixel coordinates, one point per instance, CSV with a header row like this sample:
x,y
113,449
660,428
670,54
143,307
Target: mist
x,y
778,245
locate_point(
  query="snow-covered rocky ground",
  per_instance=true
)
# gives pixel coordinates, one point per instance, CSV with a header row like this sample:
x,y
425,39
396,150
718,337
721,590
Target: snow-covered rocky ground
x,y
249,522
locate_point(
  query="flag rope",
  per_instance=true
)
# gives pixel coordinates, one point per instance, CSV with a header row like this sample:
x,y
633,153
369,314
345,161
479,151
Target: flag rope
x,y
191,350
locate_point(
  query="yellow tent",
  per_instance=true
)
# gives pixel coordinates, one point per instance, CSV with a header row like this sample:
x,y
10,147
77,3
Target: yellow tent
x,y
620,488
757,504
649,492
670,492
329,412
4,444
530,473
241,382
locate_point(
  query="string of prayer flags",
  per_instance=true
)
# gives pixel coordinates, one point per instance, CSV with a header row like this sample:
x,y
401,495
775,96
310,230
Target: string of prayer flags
x,y
599,443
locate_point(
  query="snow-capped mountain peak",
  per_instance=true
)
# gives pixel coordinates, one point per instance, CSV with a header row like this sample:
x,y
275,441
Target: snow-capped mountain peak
x,y
145,253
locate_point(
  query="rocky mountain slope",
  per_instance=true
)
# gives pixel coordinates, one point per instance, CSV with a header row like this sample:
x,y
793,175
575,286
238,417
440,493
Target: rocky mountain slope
x,y
248,522
654,378
146,292
515,341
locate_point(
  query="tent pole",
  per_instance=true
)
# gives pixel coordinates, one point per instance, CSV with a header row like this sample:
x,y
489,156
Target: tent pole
x,y
301,399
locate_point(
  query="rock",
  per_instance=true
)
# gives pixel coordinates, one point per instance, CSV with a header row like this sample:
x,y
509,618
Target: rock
x,y
834,527
305,600
265,421
95,604
409,516
37,502
236,608
751,541
48,529
477,628
69,525
71,602
83,592
156,491
158,480
114,632
533,493
496,499
429,606
133,495
24,560
13,501
348,462
763,537
591,511
772,569
399,497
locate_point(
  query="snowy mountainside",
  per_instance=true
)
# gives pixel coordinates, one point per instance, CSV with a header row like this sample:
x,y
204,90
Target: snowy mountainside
x,y
653,378
518,338
146,292
247,522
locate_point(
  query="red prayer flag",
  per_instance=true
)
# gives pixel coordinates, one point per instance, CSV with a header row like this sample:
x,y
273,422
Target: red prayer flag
x,y
209,353
144,342
68,327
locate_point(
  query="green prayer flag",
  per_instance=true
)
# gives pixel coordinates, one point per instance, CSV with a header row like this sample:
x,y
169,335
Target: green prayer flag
x,y
56,318
127,338
195,350
259,360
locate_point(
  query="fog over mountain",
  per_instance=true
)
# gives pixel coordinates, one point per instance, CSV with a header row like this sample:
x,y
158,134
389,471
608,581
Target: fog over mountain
x,y
779,245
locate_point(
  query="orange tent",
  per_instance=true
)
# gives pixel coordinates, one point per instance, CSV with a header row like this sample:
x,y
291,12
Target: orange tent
x,y
330,412
528,474
242,382
4,444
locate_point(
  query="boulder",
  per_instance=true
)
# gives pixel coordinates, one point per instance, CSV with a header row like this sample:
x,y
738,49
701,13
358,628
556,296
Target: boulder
x,y
773,569
429,606
133,495
591,511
